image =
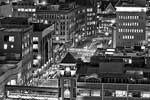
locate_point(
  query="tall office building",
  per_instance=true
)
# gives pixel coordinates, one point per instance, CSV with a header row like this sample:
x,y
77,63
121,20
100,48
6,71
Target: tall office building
x,y
131,23
42,43
16,45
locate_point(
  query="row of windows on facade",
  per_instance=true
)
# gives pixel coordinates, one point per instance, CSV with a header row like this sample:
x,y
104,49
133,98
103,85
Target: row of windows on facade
x,y
129,17
6,46
53,16
90,28
98,10
26,10
113,93
90,32
9,38
125,43
89,9
81,11
91,14
43,21
91,23
129,24
89,18
128,37
131,30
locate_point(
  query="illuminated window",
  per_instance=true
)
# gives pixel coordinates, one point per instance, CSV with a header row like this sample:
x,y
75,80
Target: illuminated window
x,y
35,39
25,45
33,10
30,10
35,61
5,46
45,22
11,39
19,9
120,93
84,92
67,82
57,38
12,46
22,9
95,92
145,94
35,46
26,10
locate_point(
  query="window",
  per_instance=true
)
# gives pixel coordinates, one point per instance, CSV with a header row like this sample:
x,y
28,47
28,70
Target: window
x,y
95,92
8,38
67,82
35,39
108,93
84,92
145,94
136,94
5,46
11,39
12,46
120,93
35,46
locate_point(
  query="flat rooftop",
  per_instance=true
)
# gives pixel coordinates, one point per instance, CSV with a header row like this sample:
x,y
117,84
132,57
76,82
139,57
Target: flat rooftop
x,y
14,20
11,28
4,68
106,71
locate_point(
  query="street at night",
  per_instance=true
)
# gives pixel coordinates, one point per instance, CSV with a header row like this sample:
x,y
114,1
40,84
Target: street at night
x,y
74,49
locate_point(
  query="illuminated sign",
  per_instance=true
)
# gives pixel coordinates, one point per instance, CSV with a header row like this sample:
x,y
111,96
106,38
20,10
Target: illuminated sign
x,y
131,9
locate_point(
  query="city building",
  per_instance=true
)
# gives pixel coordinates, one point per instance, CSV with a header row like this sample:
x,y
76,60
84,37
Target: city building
x,y
6,10
80,24
106,15
67,77
63,15
9,73
25,8
112,80
131,23
31,92
16,45
42,43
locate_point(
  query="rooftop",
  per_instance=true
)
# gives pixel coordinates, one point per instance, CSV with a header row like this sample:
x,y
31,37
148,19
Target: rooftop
x,y
62,7
105,4
14,20
11,29
132,3
69,59
39,27
111,72
6,67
